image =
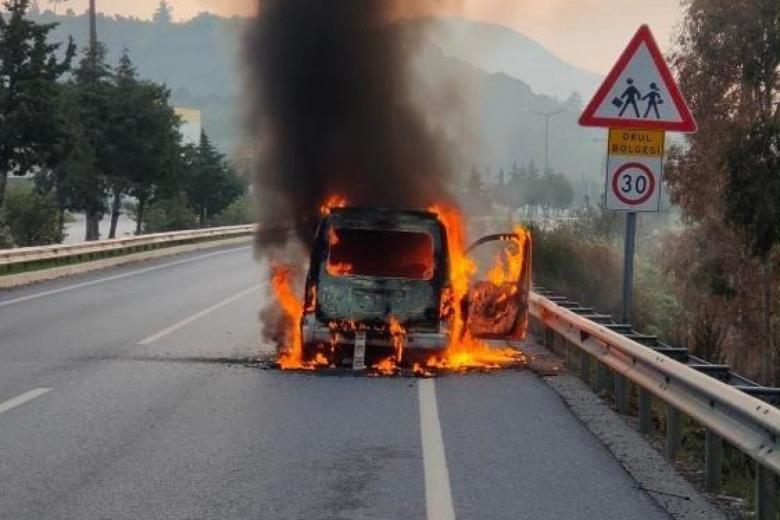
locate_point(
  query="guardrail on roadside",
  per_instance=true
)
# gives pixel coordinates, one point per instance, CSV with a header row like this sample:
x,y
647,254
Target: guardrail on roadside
x,y
30,257
725,411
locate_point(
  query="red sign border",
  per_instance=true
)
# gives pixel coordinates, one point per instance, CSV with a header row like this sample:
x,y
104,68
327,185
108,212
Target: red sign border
x,y
643,35
642,199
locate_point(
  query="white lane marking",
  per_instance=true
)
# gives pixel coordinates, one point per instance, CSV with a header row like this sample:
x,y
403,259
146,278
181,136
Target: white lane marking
x,y
438,497
116,277
186,321
24,398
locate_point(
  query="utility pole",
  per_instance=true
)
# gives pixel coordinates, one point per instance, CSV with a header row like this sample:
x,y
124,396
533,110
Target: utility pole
x,y
92,26
547,116
93,218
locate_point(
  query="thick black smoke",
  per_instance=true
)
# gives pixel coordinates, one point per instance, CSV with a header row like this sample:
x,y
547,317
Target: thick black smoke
x,y
333,112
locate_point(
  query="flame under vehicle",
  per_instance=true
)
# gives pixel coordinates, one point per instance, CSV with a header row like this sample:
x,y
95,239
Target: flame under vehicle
x,y
379,284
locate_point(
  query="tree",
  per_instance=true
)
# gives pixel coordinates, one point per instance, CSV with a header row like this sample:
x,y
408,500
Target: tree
x,y
561,192
726,178
89,108
29,71
211,184
752,201
476,196
144,140
164,13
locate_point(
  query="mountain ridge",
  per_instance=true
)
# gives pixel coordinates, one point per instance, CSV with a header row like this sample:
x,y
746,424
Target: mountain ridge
x,y
202,63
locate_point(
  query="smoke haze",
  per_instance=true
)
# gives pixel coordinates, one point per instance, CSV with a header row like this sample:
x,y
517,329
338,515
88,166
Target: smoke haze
x,y
332,111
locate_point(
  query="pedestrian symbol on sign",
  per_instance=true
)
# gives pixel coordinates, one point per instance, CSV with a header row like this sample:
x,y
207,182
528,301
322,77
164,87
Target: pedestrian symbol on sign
x,y
628,98
632,95
640,92
653,98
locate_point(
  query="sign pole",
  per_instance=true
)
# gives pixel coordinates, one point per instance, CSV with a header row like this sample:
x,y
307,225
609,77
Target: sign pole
x,y
638,101
628,265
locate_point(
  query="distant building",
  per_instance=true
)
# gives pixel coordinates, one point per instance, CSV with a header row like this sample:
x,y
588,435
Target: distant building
x,y
191,125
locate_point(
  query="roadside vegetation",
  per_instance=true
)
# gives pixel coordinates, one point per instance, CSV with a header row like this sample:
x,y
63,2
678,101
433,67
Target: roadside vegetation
x,y
94,135
706,277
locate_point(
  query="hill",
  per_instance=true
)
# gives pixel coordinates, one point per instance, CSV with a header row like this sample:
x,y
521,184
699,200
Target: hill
x,y
506,78
497,49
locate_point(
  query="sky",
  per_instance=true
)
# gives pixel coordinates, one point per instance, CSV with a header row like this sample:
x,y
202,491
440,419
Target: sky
x,y
587,33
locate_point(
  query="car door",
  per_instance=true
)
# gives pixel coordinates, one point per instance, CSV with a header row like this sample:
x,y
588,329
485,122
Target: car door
x,y
498,300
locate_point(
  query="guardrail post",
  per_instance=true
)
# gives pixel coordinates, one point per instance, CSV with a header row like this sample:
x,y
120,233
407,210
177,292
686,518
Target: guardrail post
x,y
602,377
585,367
645,405
568,349
673,431
621,394
713,461
766,494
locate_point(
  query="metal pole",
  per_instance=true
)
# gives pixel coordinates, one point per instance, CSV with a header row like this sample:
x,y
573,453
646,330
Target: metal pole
x,y
673,431
713,461
546,142
92,25
766,494
645,406
628,265
546,116
621,394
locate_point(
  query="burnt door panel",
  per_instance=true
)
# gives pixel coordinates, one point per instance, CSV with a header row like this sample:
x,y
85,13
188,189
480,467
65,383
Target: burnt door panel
x,y
498,306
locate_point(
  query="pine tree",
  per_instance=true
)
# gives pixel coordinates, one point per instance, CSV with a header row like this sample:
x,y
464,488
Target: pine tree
x,y
164,13
145,133
91,97
212,185
29,71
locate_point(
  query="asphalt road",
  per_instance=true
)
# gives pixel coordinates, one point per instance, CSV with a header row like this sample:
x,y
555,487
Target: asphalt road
x,y
119,399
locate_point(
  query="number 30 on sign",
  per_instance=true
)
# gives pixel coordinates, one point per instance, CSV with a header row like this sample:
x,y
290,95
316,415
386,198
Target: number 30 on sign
x,y
634,170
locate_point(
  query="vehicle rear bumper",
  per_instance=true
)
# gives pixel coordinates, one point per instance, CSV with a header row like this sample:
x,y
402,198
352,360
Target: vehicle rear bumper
x,y
430,341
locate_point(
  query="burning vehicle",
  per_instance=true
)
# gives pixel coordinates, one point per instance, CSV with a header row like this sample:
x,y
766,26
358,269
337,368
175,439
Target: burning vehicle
x,y
337,112
383,289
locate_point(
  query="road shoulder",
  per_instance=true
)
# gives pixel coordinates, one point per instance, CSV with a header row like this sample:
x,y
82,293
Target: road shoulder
x,y
646,465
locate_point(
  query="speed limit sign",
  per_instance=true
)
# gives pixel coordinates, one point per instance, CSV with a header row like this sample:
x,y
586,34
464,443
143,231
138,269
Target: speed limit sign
x,y
634,180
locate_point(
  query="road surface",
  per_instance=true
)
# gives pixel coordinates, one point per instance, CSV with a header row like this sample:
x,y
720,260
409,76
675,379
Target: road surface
x,y
123,396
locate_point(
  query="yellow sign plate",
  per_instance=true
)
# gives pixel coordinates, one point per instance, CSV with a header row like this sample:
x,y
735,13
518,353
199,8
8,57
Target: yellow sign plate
x,y
636,143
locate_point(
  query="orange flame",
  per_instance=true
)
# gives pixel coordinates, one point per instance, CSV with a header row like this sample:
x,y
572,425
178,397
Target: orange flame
x,y
340,269
333,237
509,266
389,366
334,201
292,357
398,333
386,367
464,351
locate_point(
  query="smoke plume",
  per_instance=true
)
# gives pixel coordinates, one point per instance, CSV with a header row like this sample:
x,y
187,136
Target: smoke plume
x,y
333,114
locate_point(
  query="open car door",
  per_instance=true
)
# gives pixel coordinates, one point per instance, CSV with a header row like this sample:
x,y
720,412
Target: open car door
x,y
498,305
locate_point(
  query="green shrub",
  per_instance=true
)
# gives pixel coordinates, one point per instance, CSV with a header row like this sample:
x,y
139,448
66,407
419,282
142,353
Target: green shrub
x,y
32,219
6,240
169,215
590,270
238,213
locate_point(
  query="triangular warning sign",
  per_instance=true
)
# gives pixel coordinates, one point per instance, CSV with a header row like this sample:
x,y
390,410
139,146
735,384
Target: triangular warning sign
x,y
640,92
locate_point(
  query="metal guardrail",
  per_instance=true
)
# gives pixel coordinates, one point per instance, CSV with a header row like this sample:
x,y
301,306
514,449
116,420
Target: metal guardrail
x,y
708,394
29,256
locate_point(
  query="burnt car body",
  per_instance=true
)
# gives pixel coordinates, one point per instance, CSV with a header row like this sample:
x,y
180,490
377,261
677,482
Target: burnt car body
x,y
371,267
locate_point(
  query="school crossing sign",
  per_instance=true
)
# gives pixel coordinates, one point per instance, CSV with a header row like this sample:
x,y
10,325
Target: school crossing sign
x,y
640,92
638,101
